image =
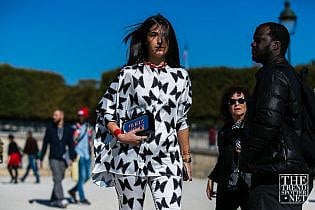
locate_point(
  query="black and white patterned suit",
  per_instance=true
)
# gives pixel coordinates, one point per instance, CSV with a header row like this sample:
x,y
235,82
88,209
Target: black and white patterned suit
x,y
164,92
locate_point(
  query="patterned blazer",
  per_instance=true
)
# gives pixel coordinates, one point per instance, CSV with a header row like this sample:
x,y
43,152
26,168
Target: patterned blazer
x,y
164,92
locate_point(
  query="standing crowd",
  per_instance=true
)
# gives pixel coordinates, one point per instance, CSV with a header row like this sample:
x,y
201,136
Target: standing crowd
x,y
141,136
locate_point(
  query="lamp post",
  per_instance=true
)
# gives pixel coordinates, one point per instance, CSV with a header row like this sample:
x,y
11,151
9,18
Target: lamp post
x,y
288,19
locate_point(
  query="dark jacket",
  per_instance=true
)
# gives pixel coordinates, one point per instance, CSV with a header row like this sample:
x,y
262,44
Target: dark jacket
x,y
31,147
13,148
58,147
274,123
223,168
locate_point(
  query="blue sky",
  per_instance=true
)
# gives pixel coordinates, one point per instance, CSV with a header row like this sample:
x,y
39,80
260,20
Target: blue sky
x,y
82,39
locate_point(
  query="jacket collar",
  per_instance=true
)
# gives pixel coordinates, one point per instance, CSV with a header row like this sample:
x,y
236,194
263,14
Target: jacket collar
x,y
277,60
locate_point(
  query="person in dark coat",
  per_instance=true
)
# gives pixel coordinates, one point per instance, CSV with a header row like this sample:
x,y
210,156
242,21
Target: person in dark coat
x,y
31,149
274,118
58,136
232,183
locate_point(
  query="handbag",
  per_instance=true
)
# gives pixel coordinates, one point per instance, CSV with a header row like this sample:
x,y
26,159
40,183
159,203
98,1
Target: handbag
x,y
144,121
74,170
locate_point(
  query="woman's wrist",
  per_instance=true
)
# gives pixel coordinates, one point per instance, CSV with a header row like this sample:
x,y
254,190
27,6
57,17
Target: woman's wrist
x,y
117,132
119,136
186,158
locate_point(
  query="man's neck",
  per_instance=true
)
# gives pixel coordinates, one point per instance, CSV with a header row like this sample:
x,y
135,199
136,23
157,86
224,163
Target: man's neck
x,y
275,59
60,124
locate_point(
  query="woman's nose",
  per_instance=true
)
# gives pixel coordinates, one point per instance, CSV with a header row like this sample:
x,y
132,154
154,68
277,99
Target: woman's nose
x,y
159,40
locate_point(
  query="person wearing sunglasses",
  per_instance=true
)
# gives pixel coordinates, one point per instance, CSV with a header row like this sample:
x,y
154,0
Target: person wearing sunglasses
x,y
232,184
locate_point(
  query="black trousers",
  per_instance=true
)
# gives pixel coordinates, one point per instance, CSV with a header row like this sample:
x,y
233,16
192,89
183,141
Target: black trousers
x,y
232,199
266,197
13,170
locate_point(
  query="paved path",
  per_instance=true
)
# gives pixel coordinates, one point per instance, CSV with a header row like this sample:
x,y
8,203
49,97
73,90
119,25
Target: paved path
x,y
17,196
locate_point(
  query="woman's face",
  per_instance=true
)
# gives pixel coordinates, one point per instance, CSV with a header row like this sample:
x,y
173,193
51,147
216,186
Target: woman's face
x,y
237,104
157,44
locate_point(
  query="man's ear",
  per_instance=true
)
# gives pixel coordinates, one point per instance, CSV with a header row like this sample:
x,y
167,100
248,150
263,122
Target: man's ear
x,y
276,45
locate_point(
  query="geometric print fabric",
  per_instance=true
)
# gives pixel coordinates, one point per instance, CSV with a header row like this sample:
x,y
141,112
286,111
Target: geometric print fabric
x,y
166,191
164,92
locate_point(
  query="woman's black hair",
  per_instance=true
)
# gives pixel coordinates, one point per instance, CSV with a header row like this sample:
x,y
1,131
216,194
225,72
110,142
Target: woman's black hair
x,y
224,108
138,51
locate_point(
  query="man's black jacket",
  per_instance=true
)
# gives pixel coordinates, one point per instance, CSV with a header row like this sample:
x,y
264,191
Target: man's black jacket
x,y
58,147
274,122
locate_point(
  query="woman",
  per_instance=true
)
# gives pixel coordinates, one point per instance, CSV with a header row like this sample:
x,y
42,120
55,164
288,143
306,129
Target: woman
x,y
151,83
233,184
15,159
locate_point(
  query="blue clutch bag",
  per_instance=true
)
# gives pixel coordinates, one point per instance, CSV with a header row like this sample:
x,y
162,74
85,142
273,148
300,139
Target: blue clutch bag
x,y
144,121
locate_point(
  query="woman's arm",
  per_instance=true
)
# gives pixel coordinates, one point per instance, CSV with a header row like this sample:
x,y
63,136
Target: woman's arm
x,y
183,140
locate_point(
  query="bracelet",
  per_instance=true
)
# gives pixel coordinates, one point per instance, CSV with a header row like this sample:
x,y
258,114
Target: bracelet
x,y
117,132
187,160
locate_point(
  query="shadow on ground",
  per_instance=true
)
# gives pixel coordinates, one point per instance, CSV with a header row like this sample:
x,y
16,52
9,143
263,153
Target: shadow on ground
x,y
47,202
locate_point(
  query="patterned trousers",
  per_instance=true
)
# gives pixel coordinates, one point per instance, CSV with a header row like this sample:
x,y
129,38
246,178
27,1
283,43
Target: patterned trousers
x,y
166,191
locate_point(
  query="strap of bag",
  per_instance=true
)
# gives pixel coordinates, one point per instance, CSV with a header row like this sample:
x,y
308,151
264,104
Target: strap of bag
x,y
81,136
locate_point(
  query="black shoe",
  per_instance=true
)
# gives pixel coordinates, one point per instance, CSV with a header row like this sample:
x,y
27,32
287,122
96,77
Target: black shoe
x,y
72,194
85,202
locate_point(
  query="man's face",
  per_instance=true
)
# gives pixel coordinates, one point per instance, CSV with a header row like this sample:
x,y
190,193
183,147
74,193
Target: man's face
x,y
57,116
81,118
261,45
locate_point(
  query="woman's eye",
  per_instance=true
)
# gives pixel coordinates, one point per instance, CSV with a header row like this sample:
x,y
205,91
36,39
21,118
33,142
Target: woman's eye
x,y
153,34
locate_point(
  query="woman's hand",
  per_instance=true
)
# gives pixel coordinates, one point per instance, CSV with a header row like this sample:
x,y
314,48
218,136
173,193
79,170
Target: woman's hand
x,y
188,169
131,137
209,190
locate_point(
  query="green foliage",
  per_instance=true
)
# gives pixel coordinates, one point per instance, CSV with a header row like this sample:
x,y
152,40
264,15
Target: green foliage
x,y
107,78
77,97
29,94
208,85
33,95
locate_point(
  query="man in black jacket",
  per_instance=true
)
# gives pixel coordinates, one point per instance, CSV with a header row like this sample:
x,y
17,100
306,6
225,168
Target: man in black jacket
x,y
272,147
58,136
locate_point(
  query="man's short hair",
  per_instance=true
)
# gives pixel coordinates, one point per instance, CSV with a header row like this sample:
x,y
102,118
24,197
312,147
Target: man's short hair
x,y
279,33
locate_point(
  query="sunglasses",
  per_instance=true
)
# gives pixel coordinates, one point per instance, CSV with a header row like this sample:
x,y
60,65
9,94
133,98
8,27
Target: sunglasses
x,y
239,100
